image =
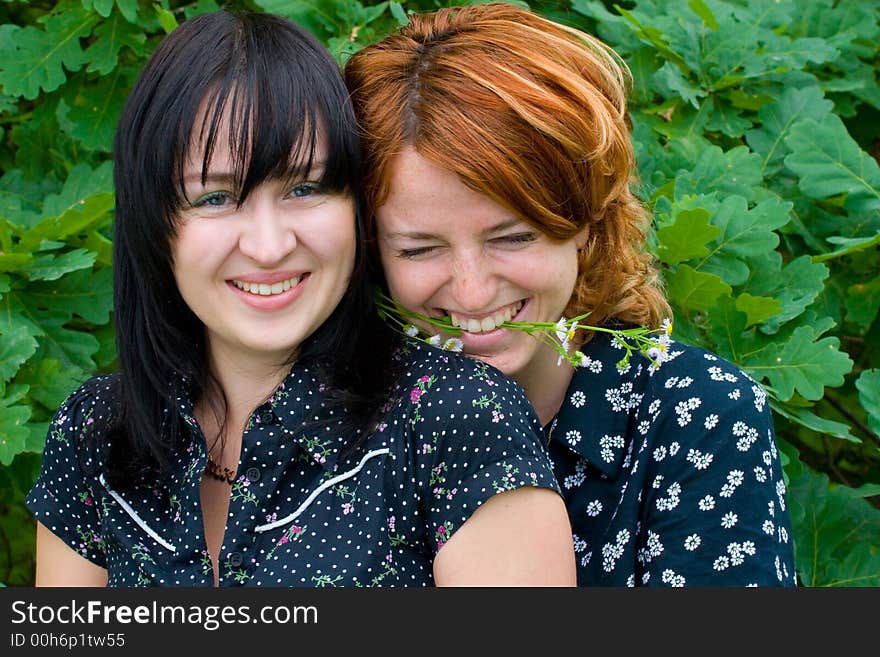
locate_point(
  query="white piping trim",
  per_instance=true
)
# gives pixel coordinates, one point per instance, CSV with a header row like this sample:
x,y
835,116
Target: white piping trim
x,y
134,516
327,484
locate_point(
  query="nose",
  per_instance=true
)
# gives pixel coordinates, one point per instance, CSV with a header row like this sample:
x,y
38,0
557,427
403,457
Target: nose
x,y
474,283
268,235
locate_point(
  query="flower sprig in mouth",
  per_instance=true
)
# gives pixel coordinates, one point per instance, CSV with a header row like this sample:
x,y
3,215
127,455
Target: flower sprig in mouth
x,y
653,344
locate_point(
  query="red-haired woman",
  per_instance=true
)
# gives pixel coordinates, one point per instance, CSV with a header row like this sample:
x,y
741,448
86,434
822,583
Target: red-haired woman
x,y
499,164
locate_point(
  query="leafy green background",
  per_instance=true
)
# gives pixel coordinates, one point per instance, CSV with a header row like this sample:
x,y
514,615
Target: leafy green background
x,y
757,128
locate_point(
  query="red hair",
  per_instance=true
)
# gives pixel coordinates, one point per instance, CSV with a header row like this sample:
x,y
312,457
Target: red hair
x,y
530,113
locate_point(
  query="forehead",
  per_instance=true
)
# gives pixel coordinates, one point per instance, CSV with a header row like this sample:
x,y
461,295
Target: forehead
x,y
430,198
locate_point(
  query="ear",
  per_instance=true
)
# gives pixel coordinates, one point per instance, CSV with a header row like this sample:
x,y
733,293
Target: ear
x,y
580,239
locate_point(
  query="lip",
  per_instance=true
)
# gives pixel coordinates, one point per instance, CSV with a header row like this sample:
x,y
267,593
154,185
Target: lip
x,y
275,301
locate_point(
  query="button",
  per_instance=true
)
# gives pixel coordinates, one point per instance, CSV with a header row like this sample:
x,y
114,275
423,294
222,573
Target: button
x,y
266,417
252,474
235,559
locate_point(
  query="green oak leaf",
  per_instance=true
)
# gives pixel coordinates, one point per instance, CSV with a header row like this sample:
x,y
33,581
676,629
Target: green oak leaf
x,y
796,286
103,7
848,245
777,119
51,267
14,261
129,9
829,162
727,329
109,38
745,235
86,293
92,118
830,522
43,55
863,302
69,346
801,363
49,382
166,18
91,212
729,173
399,13
757,309
81,182
671,83
14,430
727,119
868,385
693,290
806,418
16,346
686,237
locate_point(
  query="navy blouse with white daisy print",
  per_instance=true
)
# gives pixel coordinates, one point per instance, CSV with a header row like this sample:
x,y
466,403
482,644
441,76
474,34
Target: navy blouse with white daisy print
x,y
671,475
455,433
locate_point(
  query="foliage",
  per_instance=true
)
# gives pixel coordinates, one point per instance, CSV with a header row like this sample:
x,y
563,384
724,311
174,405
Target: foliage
x,y
756,127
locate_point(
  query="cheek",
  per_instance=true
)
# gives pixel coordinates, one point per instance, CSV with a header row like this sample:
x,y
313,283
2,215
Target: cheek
x,y
410,283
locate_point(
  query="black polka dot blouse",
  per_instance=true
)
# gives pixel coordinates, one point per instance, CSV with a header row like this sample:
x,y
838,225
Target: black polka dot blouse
x,y
454,434
671,475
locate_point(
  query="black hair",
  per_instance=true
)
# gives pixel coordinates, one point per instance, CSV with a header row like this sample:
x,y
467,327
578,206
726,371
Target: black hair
x,y
279,86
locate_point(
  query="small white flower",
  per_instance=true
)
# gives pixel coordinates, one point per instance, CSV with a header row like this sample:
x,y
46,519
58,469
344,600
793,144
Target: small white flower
x,y
578,399
453,344
411,330
435,340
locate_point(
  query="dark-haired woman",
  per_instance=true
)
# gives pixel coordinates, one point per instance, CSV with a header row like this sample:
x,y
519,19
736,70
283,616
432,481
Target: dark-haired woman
x,y
263,429
498,165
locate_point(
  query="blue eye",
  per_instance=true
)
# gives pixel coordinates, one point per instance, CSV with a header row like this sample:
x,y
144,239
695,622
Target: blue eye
x,y
305,189
214,200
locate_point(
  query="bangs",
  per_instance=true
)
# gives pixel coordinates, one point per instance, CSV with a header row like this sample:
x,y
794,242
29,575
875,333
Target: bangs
x,y
280,107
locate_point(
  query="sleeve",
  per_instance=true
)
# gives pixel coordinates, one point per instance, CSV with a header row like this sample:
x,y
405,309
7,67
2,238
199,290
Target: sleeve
x,y
63,497
716,512
474,435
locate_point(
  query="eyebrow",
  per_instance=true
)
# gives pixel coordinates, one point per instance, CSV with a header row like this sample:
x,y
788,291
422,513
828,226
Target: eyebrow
x,y
224,177
418,235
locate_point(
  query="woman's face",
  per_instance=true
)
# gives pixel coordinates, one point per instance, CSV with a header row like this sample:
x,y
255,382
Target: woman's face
x,y
264,276
448,250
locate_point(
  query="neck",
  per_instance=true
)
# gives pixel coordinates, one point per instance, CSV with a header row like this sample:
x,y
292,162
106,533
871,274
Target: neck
x,y
245,382
545,384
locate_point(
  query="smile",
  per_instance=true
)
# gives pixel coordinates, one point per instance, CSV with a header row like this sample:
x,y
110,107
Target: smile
x,y
266,290
488,322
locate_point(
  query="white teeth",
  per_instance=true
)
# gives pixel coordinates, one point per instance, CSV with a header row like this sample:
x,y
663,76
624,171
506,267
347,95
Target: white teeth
x,y
265,290
488,323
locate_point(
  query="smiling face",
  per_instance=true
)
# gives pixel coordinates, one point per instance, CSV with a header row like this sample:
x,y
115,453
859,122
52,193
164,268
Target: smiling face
x,y
264,276
448,250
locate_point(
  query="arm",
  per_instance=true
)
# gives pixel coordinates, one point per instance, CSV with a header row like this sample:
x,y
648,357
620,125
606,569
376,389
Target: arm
x,y
517,538
59,565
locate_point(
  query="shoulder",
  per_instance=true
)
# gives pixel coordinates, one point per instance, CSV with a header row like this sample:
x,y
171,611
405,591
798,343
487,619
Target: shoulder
x,y
85,415
454,371
689,375
439,390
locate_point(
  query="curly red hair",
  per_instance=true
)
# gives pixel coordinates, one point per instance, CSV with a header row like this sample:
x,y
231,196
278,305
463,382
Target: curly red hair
x,y
530,113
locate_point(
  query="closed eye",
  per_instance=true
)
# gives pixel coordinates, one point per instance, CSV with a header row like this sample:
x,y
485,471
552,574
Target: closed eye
x,y
414,253
515,238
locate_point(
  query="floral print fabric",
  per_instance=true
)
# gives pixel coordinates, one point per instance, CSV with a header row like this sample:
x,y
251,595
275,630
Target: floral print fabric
x,y
671,475
454,434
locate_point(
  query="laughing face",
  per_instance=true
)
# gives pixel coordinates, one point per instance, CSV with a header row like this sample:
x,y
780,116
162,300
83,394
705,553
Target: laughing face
x,y
264,276
448,250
